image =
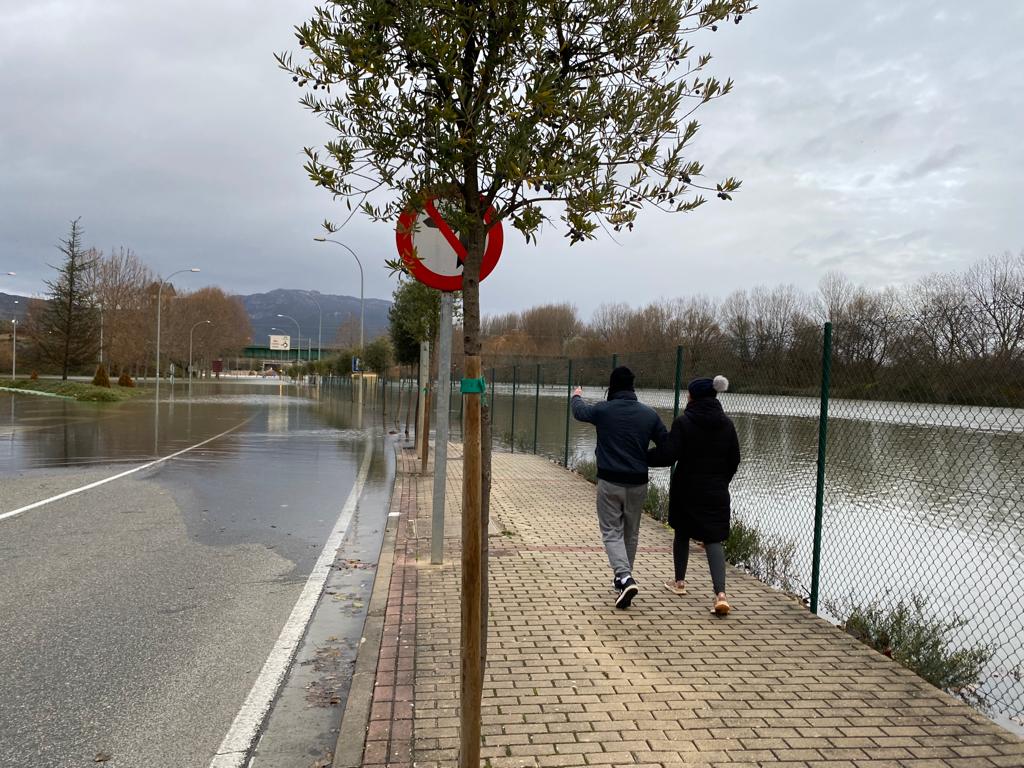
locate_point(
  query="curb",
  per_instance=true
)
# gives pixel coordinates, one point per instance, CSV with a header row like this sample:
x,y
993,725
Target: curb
x,y
348,751
37,393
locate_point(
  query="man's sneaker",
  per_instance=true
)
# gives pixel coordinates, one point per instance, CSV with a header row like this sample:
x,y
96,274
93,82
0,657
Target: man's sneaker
x,y
628,590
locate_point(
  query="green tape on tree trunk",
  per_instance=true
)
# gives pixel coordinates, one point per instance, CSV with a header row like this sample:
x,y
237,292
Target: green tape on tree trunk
x,y
473,386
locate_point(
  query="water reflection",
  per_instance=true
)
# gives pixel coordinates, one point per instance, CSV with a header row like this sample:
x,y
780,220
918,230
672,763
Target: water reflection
x,y
49,432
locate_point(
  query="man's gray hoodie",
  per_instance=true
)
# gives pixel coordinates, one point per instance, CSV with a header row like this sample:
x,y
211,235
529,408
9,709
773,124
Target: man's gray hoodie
x,y
625,428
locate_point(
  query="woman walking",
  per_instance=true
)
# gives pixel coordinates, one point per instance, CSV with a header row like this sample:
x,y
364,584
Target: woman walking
x,y
706,451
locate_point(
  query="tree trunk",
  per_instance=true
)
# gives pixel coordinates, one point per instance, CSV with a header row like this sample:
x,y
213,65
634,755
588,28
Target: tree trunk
x,y
473,575
485,516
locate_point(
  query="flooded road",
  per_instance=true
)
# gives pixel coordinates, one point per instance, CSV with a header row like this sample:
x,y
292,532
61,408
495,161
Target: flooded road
x,y
140,612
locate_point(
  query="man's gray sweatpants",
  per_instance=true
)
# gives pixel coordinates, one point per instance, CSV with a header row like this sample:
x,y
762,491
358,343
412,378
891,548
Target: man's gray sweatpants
x,y
619,508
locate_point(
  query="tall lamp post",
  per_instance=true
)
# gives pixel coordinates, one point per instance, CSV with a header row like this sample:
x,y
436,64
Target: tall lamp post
x,y
159,294
190,332
361,303
320,326
298,349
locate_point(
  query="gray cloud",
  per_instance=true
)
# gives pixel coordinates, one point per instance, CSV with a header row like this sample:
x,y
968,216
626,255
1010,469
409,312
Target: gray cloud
x,y
879,138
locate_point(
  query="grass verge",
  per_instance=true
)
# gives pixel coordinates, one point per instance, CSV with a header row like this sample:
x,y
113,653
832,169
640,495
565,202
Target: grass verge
x,y
907,632
767,557
74,390
587,469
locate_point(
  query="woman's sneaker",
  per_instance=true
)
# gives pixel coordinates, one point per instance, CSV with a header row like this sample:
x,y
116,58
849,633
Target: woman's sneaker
x,y
627,591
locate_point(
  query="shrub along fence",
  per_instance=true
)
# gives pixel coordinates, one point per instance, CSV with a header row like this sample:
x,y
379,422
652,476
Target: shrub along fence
x,y
883,490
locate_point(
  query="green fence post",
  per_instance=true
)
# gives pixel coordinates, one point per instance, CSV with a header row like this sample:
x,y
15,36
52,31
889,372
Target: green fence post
x,y
568,413
536,408
679,380
515,385
819,495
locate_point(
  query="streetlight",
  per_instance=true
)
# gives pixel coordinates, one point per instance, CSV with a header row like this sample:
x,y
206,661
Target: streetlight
x,y
159,293
298,348
14,349
320,327
190,332
361,304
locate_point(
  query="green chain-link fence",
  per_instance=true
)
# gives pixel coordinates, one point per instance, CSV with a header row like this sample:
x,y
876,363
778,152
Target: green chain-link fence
x,y
919,496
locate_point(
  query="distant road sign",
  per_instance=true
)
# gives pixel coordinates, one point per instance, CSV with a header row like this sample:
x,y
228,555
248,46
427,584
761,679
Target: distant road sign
x,y
281,342
433,252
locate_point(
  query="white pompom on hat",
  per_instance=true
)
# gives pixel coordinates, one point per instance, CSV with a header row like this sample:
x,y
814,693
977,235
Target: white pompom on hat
x,y
721,384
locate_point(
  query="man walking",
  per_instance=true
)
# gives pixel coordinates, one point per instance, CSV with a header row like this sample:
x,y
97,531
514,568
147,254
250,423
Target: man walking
x,y
625,428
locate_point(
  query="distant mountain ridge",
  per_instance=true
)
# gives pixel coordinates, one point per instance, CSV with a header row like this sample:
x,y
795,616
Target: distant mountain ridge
x,y
263,309
13,307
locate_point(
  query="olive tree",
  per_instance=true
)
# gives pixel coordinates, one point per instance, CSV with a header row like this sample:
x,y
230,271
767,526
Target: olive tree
x,y
553,108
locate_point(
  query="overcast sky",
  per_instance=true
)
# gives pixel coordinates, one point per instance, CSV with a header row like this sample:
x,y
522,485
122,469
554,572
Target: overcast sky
x,y
883,139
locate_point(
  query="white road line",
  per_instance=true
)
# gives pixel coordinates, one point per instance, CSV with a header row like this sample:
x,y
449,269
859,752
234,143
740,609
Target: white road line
x,y
234,749
112,478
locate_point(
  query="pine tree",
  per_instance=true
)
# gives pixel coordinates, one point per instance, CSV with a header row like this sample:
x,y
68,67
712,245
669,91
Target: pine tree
x,y
66,331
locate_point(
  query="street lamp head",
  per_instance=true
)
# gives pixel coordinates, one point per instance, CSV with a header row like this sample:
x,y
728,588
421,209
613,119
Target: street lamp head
x,y
194,269
12,274
320,239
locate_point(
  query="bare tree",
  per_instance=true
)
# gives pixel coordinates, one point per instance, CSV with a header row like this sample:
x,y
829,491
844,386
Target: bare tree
x,y
120,284
996,288
229,329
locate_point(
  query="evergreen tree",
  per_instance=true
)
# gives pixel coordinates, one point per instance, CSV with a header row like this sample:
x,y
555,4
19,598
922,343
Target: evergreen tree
x,y
415,314
66,330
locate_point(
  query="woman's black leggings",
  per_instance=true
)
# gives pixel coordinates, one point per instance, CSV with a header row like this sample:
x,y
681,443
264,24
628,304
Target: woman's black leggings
x,y
716,560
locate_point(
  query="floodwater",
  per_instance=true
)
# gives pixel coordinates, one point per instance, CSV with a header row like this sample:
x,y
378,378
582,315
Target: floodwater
x,y
43,432
138,613
919,499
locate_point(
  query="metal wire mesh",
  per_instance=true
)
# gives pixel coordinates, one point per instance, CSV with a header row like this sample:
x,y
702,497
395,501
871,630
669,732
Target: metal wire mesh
x,y
922,492
923,498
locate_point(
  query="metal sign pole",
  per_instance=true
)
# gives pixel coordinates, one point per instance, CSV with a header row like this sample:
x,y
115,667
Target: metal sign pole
x,y
444,368
421,404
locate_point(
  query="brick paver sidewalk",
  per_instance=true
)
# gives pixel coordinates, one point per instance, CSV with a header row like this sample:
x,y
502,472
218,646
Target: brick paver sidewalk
x,y
573,682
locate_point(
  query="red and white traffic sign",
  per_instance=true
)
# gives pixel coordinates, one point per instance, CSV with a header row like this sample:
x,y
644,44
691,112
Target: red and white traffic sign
x,y
432,251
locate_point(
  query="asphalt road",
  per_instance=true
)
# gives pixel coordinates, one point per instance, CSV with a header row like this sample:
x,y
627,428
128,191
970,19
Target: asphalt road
x,y
137,615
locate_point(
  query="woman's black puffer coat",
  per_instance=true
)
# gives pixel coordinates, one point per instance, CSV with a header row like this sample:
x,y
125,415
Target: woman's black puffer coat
x,y
704,445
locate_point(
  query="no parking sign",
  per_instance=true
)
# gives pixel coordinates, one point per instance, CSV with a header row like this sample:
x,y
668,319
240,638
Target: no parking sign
x,y
432,250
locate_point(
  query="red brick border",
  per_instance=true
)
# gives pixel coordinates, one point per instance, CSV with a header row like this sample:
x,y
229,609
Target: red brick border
x,y
389,736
